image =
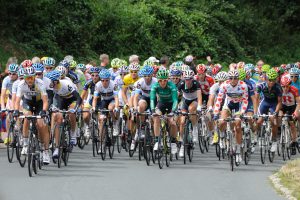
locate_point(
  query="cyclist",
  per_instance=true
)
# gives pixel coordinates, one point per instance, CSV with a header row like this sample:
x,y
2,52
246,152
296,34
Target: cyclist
x,y
236,100
290,106
89,87
65,98
16,83
271,94
6,92
49,64
35,101
166,91
294,74
114,70
106,89
80,75
205,81
192,102
119,82
141,101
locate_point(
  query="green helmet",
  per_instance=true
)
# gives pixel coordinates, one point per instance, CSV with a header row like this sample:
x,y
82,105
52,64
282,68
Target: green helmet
x,y
272,74
265,68
73,64
242,74
123,63
162,74
115,63
149,63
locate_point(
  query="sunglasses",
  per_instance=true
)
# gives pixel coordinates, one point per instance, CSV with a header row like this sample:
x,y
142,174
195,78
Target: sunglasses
x,y
55,82
175,78
294,76
48,68
39,74
147,76
123,74
12,73
104,80
29,78
285,86
163,80
134,72
21,78
233,78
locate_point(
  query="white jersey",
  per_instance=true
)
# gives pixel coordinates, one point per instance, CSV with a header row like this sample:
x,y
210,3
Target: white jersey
x,y
37,91
214,90
15,86
119,82
142,88
64,89
106,93
68,79
113,74
7,84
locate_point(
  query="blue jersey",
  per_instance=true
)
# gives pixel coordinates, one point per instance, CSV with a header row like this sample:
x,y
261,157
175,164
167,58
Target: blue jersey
x,y
251,89
90,85
296,84
269,95
73,76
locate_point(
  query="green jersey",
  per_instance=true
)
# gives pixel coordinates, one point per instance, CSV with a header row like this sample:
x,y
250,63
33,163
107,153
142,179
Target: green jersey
x,y
167,94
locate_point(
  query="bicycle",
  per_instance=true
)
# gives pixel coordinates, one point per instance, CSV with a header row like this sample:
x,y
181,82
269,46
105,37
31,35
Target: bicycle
x,y
95,135
188,136
230,150
246,139
202,132
81,139
163,153
122,137
285,137
265,138
34,153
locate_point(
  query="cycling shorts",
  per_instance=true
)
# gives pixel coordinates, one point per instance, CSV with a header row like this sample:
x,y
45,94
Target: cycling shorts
x,y
265,106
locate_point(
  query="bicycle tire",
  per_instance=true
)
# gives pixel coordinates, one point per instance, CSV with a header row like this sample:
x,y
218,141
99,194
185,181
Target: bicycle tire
x,y
21,158
95,139
147,153
288,142
61,145
103,142
111,143
81,139
10,146
30,156
185,142
232,161
262,147
200,138
160,157
67,145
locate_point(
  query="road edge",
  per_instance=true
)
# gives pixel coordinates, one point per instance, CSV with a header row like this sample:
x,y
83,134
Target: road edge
x,y
279,187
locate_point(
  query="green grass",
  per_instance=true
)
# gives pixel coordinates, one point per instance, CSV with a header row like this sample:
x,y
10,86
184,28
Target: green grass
x,y
290,177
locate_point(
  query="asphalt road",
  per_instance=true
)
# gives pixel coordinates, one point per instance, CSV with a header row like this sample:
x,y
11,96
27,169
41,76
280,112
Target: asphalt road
x,y
125,178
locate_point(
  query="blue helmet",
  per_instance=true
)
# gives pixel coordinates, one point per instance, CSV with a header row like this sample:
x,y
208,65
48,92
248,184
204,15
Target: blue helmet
x,y
49,62
53,75
104,74
29,71
141,73
13,67
64,63
21,71
148,70
249,66
38,67
81,67
294,71
175,72
95,70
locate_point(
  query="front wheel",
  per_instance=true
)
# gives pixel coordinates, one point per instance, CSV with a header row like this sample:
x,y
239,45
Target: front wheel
x,y
10,145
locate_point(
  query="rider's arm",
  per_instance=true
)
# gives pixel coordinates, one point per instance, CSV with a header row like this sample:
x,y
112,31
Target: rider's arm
x,y
124,96
220,96
211,100
255,106
199,97
3,93
45,102
78,98
17,104
174,98
244,98
135,100
84,94
153,96
279,104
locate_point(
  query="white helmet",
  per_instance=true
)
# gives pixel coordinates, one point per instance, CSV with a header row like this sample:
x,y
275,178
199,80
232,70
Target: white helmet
x,y
134,66
62,70
222,76
233,73
188,74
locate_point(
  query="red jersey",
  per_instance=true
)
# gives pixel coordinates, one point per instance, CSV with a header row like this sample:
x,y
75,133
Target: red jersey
x,y
206,84
289,98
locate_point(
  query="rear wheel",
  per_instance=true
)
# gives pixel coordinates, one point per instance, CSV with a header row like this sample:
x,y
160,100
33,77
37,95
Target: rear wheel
x,y
10,145
95,139
200,137
81,138
103,142
160,157
262,146
19,146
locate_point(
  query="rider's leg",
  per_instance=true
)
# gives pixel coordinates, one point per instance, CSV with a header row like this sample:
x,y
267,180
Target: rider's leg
x,y
192,109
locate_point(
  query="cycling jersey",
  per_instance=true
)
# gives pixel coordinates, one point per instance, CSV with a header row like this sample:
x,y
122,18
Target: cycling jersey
x,y
90,85
64,89
206,84
73,76
214,90
296,84
15,86
106,93
141,87
113,74
165,95
269,95
234,94
289,98
129,81
189,93
31,93
7,85
81,79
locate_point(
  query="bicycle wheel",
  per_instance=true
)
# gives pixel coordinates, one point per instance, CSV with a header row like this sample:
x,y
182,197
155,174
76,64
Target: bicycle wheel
x,y
119,137
30,156
185,143
11,143
67,145
218,148
61,145
191,151
160,157
271,155
232,161
19,145
103,142
147,153
81,138
205,137
262,145
95,139
200,138
111,140
288,142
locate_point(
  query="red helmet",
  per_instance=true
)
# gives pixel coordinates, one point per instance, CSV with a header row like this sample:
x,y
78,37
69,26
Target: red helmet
x,y
201,69
218,66
26,63
215,70
283,66
155,68
285,80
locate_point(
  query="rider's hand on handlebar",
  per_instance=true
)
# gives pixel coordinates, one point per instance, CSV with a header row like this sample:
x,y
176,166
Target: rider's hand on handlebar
x,y
16,113
43,113
199,108
216,117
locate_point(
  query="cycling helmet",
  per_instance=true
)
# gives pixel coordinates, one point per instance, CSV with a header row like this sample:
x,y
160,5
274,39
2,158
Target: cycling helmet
x,y
115,63
148,70
64,63
175,72
104,74
26,63
283,66
265,68
294,71
249,66
62,70
29,71
162,74
54,75
69,58
233,73
153,59
242,74
141,73
293,65
285,80
215,70
38,67
73,64
272,74
123,69
13,67
49,62
43,58
134,66
219,66
188,74
233,66
222,76
123,62
201,69
21,72
248,73
189,59
288,66
81,67
95,70
178,64
148,62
